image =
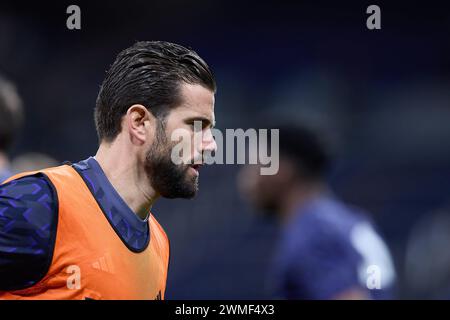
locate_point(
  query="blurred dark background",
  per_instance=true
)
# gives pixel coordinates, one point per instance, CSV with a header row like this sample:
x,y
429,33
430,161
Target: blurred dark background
x,y
383,95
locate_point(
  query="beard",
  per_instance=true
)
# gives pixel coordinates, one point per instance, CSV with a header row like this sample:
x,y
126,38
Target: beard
x,y
167,178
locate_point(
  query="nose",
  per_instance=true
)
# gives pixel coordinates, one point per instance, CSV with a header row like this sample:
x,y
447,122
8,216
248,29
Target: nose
x,y
209,143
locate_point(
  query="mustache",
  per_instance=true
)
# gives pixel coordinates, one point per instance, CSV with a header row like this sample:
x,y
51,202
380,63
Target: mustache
x,y
198,160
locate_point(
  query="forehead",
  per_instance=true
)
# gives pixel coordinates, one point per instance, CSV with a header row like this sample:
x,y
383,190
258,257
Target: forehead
x,y
196,101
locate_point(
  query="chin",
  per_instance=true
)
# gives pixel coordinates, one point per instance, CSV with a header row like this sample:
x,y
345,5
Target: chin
x,y
186,190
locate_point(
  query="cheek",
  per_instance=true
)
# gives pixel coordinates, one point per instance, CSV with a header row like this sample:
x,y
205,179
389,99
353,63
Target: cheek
x,y
180,142
196,145
185,153
265,186
197,141
269,187
249,182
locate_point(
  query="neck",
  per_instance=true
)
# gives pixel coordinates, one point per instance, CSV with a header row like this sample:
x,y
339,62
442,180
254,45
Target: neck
x,y
127,176
297,197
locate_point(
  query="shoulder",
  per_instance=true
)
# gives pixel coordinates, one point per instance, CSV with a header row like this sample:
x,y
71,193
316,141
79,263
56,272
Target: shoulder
x,y
35,189
324,227
28,219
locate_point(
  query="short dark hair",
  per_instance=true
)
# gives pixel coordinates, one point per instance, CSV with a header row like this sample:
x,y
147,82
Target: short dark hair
x,y
148,73
306,148
11,114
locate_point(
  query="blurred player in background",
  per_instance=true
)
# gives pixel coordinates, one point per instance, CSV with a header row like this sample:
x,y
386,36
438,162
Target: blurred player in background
x,y
11,117
327,250
85,231
32,161
427,259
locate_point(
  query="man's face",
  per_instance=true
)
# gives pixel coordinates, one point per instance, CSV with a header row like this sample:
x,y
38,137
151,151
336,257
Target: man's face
x,y
260,191
173,180
264,192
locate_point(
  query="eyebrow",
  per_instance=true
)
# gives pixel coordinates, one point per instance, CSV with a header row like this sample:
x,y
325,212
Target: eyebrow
x,y
203,119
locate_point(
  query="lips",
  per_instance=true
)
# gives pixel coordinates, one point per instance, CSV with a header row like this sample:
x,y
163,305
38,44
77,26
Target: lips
x,y
195,168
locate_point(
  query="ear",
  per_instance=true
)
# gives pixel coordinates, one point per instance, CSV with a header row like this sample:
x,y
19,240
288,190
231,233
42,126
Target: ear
x,y
139,122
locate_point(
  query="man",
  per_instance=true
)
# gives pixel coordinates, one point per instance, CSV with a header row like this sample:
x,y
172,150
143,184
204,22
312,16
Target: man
x,y
11,116
327,250
85,231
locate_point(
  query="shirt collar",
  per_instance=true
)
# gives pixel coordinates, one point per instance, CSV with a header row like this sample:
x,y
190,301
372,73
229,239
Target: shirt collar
x,y
108,198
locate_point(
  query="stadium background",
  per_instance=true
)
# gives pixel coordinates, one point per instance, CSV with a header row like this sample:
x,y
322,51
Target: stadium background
x,y
384,95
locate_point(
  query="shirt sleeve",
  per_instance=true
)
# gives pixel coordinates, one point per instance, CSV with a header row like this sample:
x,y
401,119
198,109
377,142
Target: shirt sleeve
x,y
322,268
28,218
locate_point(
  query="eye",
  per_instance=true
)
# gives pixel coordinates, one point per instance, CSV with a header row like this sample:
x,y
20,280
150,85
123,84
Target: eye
x,y
192,124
